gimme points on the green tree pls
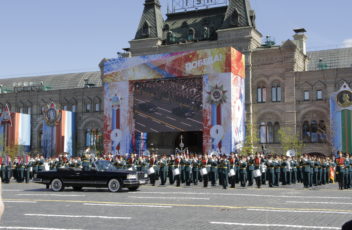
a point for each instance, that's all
(290, 140)
(251, 139)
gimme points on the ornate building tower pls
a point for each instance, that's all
(195, 28)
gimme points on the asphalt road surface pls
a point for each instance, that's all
(31, 206)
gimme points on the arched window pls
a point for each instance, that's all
(276, 92)
(322, 131)
(276, 132)
(146, 30)
(170, 37)
(97, 102)
(88, 138)
(94, 138)
(261, 94)
(306, 131)
(235, 18)
(314, 131)
(191, 34)
(270, 133)
(206, 33)
(262, 133)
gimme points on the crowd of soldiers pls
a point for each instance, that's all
(183, 168)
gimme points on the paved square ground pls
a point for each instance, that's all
(31, 206)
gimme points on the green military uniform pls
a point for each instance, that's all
(250, 169)
(171, 167)
(294, 171)
(213, 170)
(271, 172)
(243, 173)
(223, 172)
(188, 171)
(277, 171)
(306, 172)
(195, 170)
(20, 172)
(163, 168)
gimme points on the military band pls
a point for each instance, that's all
(192, 169)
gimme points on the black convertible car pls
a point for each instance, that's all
(101, 174)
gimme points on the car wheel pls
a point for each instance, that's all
(57, 185)
(114, 185)
(133, 188)
(77, 188)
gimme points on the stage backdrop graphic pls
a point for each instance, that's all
(59, 138)
(222, 71)
(341, 119)
(16, 132)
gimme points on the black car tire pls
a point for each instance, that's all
(133, 188)
(77, 188)
(57, 185)
(114, 185)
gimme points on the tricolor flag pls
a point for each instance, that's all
(60, 137)
(15, 131)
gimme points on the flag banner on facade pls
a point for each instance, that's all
(341, 119)
(17, 132)
(59, 137)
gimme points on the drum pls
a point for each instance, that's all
(232, 173)
(257, 173)
(263, 168)
(151, 171)
(130, 169)
(203, 172)
(176, 172)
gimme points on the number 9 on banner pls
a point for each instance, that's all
(116, 136)
(217, 133)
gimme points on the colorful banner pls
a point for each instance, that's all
(17, 132)
(223, 95)
(59, 138)
(341, 119)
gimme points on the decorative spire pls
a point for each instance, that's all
(239, 14)
(152, 22)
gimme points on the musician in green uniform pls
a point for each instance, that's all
(171, 167)
(205, 169)
(177, 168)
(270, 171)
(223, 171)
(232, 167)
(188, 170)
(340, 170)
(306, 170)
(163, 168)
(195, 169)
(20, 171)
(213, 169)
(243, 171)
(294, 165)
(277, 170)
(250, 169)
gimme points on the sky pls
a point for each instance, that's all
(39, 37)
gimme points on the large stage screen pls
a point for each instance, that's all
(168, 105)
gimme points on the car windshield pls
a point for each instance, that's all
(104, 166)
